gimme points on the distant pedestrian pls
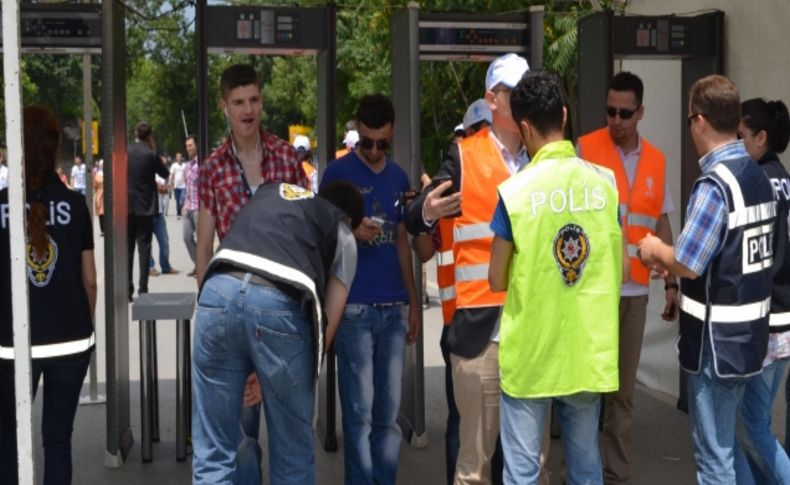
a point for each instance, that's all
(177, 182)
(78, 175)
(189, 210)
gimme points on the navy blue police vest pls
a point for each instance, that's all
(780, 297)
(729, 303)
(286, 235)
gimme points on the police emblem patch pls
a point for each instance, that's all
(571, 250)
(294, 192)
(40, 269)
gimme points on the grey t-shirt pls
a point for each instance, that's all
(344, 266)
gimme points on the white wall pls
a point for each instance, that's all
(756, 36)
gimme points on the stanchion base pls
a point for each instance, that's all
(86, 400)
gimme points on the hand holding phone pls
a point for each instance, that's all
(442, 200)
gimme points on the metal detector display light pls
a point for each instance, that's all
(60, 28)
(676, 37)
(249, 30)
(448, 39)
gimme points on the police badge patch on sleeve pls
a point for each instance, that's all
(295, 192)
(571, 249)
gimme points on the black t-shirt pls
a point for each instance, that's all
(59, 309)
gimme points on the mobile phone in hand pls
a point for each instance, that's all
(440, 179)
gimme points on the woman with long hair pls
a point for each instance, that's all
(765, 131)
(61, 279)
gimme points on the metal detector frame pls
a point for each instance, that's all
(697, 40)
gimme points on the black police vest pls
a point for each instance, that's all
(780, 297)
(729, 303)
(286, 235)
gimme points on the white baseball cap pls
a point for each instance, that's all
(458, 127)
(477, 112)
(507, 70)
(351, 139)
(302, 143)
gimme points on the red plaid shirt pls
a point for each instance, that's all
(220, 188)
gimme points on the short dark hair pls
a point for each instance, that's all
(375, 111)
(235, 76)
(716, 98)
(769, 116)
(190, 137)
(538, 99)
(143, 131)
(628, 81)
(345, 196)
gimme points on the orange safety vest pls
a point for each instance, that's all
(308, 169)
(341, 153)
(640, 206)
(482, 170)
(445, 270)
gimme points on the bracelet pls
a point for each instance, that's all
(671, 286)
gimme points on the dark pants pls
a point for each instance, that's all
(140, 230)
(101, 223)
(451, 440)
(160, 231)
(63, 378)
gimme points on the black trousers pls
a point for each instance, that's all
(140, 229)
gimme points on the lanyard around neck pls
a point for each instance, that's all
(244, 183)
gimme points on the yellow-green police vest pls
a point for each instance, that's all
(559, 329)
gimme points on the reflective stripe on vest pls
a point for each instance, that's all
(472, 231)
(446, 294)
(779, 319)
(482, 170)
(632, 249)
(444, 258)
(741, 214)
(726, 313)
(641, 203)
(53, 350)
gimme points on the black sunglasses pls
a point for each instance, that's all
(625, 114)
(367, 143)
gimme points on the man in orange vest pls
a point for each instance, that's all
(485, 159)
(305, 151)
(645, 200)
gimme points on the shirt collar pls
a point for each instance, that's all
(734, 149)
(514, 163)
(636, 152)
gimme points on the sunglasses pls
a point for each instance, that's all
(367, 143)
(625, 114)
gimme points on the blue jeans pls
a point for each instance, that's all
(767, 461)
(713, 406)
(63, 378)
(241, 328)
(160, 232)
(370, 346)
(179, 196)
(521, 430)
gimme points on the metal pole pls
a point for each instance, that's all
(201, 74)
(16, 233)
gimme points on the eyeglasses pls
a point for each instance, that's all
(367, 143)
(691, 117)
(624, 113)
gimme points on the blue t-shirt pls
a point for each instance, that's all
(378, 278)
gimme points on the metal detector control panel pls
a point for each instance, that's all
(445, 37)
(60, 28)
(664, 36)
(266, 30)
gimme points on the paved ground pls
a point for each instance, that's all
(662, 446)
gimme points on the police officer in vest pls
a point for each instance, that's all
(558, 252)
(724, 257)
(765, 131)
(645, 199)
(270, 303)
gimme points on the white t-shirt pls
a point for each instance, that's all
(3, 177)
(78, 176)
(177, 169)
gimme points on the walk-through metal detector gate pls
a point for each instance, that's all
(442, 37)
(696, 40)
(98, 29)
(279, 31)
